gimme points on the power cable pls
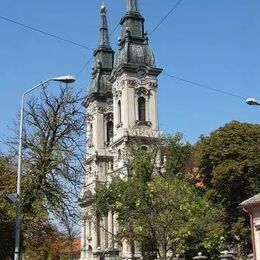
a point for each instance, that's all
(165, 17)
(204, 86)
(83, 68)
(115, 28)
(45, 33)
(155, 28)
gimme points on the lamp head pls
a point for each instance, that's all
(65, 79)
(252, 102)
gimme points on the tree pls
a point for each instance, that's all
(53, 151)
(163, 210)
(53, 165)
(229, 164)
(178, 155)
(7, 213)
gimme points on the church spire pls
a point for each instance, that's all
(104, 38)
(132, 6)
(103, 61)
(133, 47)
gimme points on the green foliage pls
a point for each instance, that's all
(7, 212)
(142, 166)
(229, 163)
(177, 153)
(166, 210)
(53, 155)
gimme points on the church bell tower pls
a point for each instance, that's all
(134, 85)
(100, 127)
(121, 107)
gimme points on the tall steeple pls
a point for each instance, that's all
(134, 50)
(104, 38)
(99, 86)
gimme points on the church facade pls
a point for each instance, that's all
(121, 105)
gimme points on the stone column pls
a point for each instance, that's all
(93, 233)
(115, 226)
(83, 239)
(110, 230)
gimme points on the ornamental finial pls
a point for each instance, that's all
(103, 7)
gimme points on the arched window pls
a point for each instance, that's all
(141, 109)
(119, 112)
(110, 131)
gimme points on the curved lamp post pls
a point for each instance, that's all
(16, 197)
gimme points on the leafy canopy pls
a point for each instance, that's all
(229, 164)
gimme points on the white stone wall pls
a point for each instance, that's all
(256, 229)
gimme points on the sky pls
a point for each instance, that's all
(211, 42)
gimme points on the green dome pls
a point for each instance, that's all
(135, 54)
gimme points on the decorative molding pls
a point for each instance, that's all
(101, 110)
(109, 116)
(122, 83)
(132, 83)
(118, 94)
(145, 123)
(89, 118)
(110, 101)
(153, 85)
(142, 91)
(90, 145)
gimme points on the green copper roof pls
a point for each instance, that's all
(133, 44)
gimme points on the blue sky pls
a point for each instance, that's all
(212, 42)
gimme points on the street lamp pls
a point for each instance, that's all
(252, 102)
(17, 199)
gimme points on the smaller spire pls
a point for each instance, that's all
(104, 38)
(132, 6)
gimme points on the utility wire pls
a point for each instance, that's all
(155, 28)
(165, 17)
(115, 28)
(84, 67)
(45, 33)
(204, 86)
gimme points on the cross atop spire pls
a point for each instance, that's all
(132, 6)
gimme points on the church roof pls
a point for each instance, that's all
(251, 202)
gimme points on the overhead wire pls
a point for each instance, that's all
(45, 33)
(165, 17)
(153, 30)
(115, 28)
(203, 86)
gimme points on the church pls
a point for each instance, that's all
(121, 105)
